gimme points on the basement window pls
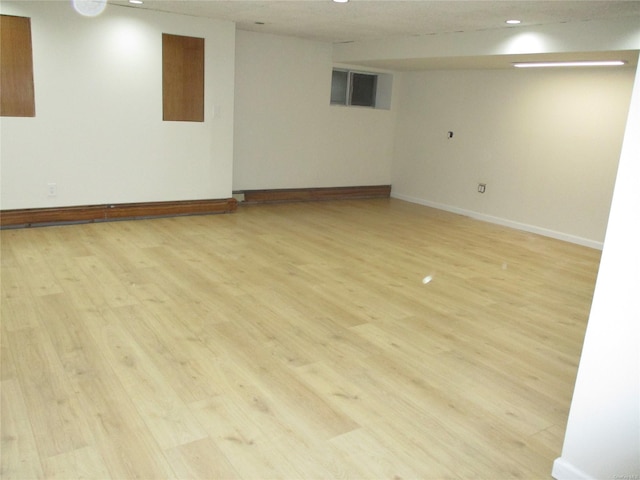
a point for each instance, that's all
(362, 89)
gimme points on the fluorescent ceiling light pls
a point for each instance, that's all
(340, 1)
(598, 63)
(513, 22)
(136, 2)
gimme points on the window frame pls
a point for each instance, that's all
(349, 90)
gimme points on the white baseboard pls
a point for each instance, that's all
(504, 222)
(563, 470)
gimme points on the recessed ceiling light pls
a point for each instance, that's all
(591, 63)
(136, 2)
(340, 1)
(513, 22)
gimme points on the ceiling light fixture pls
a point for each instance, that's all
(598, 63)
(136, 2)
(340, 1)
(89, 8)
(513, 22)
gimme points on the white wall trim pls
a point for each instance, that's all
(563, 470)
(503, 221)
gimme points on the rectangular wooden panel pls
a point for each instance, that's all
(164, 209)
(182, 78)
(16, 68)
(315, 194)
(97, 213)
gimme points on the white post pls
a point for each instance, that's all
(602, 440)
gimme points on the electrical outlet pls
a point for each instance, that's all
(52, 189)
(482, 187)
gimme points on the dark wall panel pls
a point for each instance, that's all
(16, 68)
(182, 78)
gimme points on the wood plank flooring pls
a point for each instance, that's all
(293, 341)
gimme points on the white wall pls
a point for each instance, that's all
(602, 440)
(286, 133)
(546, 143)
(98, 131)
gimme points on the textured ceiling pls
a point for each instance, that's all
(357, 20)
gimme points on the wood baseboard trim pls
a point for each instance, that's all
(315, 194)
(103, 213)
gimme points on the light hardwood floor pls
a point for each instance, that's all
(289, 341)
